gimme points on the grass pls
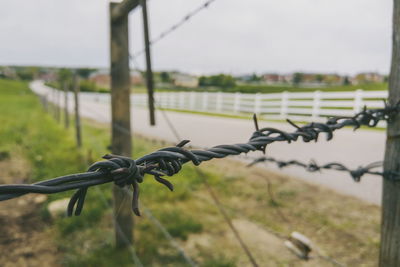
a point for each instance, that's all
(343, 227)
(251, 89)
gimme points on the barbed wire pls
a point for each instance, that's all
(218, 205)
(175, 26)
(135, 258)
(312, 166)
(169, 237)
(147, 212)
(168, 161)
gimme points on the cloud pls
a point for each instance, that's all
(233, 36)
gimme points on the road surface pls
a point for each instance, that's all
(348, 147)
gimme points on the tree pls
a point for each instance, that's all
(165, 77)
(255, 78)
(297, 78)
(64, 75)
(346, 80)
(26, 73)
(220, 80)
(85, 72)
(319, 78)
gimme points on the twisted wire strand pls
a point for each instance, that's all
(168, 161)
(175, 26)
(312, 166)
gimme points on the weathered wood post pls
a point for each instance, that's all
(66, 115)
(390, 229)
(58, 104)
(149, 71)
(77, 114)
(120, 111)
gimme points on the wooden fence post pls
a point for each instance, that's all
(149, 71)
(390, 225)
(121, 142)
(58, 103)
(66, 118)
(77, 115)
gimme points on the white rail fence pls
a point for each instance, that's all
(302, 106)
(297, 106)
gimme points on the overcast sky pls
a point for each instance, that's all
(230, 36)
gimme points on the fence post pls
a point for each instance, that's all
(358, 100)
(236, 105)
(66, 105)
(181, 100)
(390, 223)
(77, 115)
(284, 104)
(58, 103)
(316, 105)
(205, 101)
(161, 99)
(257, 103)
(121, 141)
(192, 100)
(149, 71)
(218, 104)
(46, 103)
(170, 98)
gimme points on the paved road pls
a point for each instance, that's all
(348, 147)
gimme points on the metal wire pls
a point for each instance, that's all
(151, 217)
(213, 195)
(167, 235)
(175, 26)
(312, 166)
(168, 161)
(228, 220)
(131, 248)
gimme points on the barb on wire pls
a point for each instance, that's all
(171, 29)
(168, 161)
(312, 166)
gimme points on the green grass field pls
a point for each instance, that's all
(260, 202)
(251, 89)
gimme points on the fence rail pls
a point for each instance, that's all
(297, 106)
(304, 106)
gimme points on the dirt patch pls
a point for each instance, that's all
(25, 238)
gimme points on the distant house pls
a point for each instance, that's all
(185, 80)
(49, 76)
(9, 72)
(368, 77)
(136, 78)
(273, 78)
(333, 79)
(103, 79)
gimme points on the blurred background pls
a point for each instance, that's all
(71, 70)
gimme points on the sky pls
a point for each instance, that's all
(230, 36)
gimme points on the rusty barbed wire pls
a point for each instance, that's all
(168, 161)
(312, 166)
